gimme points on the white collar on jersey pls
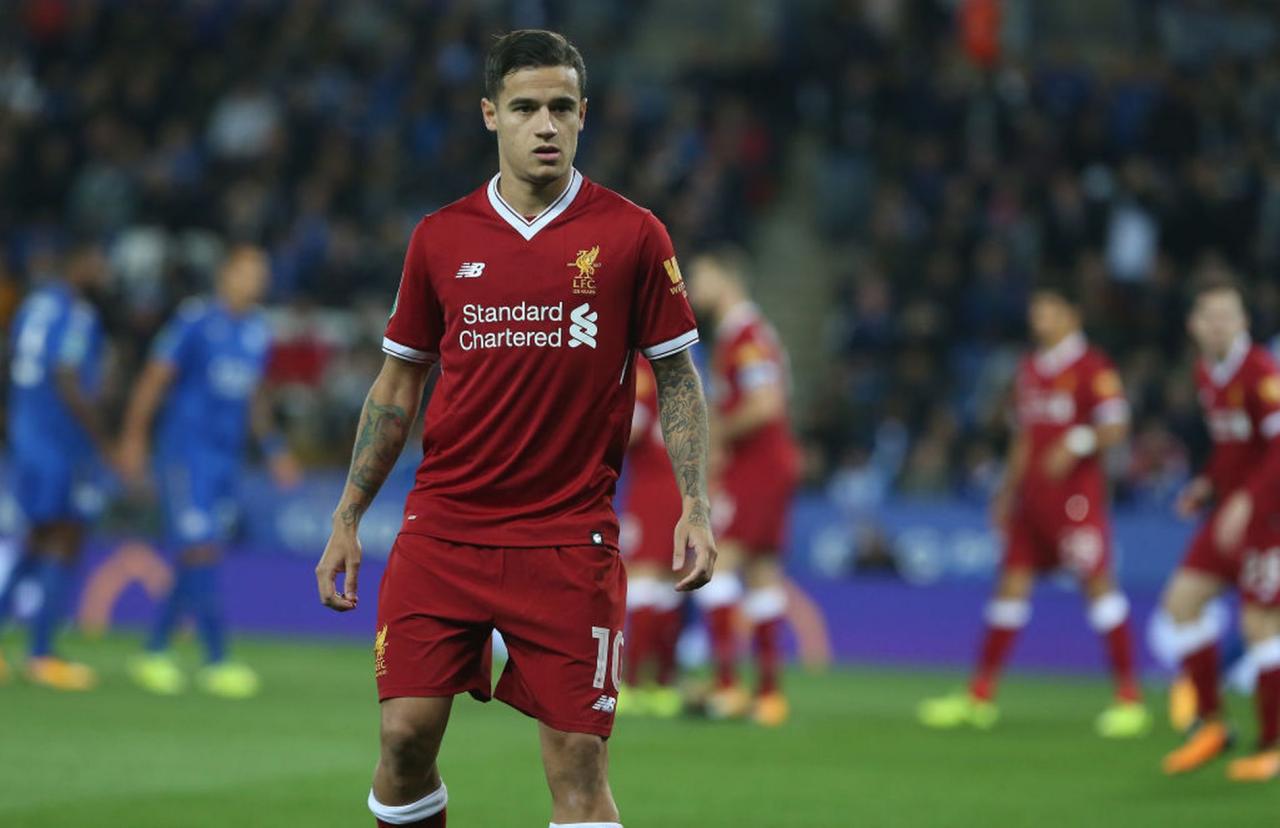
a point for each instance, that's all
(738, 317)
(1057, 359)
(1222, 372)
(526, 227)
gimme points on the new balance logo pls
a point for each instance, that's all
(605, 704)
(583, 329)
(471, 270)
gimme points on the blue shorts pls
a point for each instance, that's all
(198, 497)
(55, 486)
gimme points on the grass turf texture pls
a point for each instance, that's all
(301, 755)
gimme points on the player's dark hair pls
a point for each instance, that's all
(730, 258)
(1064, 286)
(1215, 280)
(530, 49)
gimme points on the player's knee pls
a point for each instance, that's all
(1015, 584)
(1182, 604)
(409, 743)
(578, 772)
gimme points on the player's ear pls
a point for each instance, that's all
(582, 113)
(490, 112)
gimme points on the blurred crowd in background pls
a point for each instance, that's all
(951, 163)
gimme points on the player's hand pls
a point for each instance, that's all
(1194, 497)
(285, 469)
(341, 555)
(1232, 522)
(1059, 462)
(694, 532)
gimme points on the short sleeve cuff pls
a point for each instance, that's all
(672, 346)
(1112, 412)
(395, 349)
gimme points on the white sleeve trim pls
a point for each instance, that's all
(671, 346)
(1270, 425)
(406, 353)
(1112, 412)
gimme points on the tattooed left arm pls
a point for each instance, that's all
(683, 414)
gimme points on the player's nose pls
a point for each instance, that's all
(546, 125)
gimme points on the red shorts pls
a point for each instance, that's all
(1203, 555)
(560, 611)
(1075, 536)
(1260, 563)
(752, 506)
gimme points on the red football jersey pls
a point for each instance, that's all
(749, 354)
(536, 323)
(1068, 385)
(1241, 401)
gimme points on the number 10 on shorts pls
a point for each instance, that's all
(601, 635)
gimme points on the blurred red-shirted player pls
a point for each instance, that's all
(1239, 386)
(649, 515)
(757, 470)
(1070, 408)
(535, 295)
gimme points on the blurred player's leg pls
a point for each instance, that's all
(653, 612)
(1006, 615)
(1109, 617)
(57, 547)
(1188, 594)
(765, 606)
(577, 768)
(1260, 620)
(718, 601)
(407, 789)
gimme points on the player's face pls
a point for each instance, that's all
(537, 116)
(244, 279)
(1051, 319)
(1217, 320)
(706, 283)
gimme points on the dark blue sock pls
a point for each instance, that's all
(170, 611)
(19, 573)
(55, 584)
(206, 600)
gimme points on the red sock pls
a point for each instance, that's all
(1202, 667)
(642, 642)
(433, 821)
(1267, 698)
(668, 635)
(721, 622)
(765, 637)
(995, 650)
(1119, 641)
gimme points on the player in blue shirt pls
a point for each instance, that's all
(201, 388)
(56, 443)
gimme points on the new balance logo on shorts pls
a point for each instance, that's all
(470, 270)
(583, 329)
(605, 704)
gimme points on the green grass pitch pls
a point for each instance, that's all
(301, 755)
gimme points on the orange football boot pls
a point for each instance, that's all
(729, 703)
(771, 710)
(1260, 767)
(1205, 743)
(58, 674)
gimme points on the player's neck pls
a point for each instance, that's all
(530, 198)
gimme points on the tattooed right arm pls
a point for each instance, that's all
(385, 421)
(388, 414)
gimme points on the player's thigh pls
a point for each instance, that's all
(1084, 549)
(1189, 591)
(561, 615)
(1204, 557)
(412, 728)
(762, 571)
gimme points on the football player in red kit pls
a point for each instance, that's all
(534, 294)
(1052, 509)
(1239, 386)
(757, 471)
(651, 511)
